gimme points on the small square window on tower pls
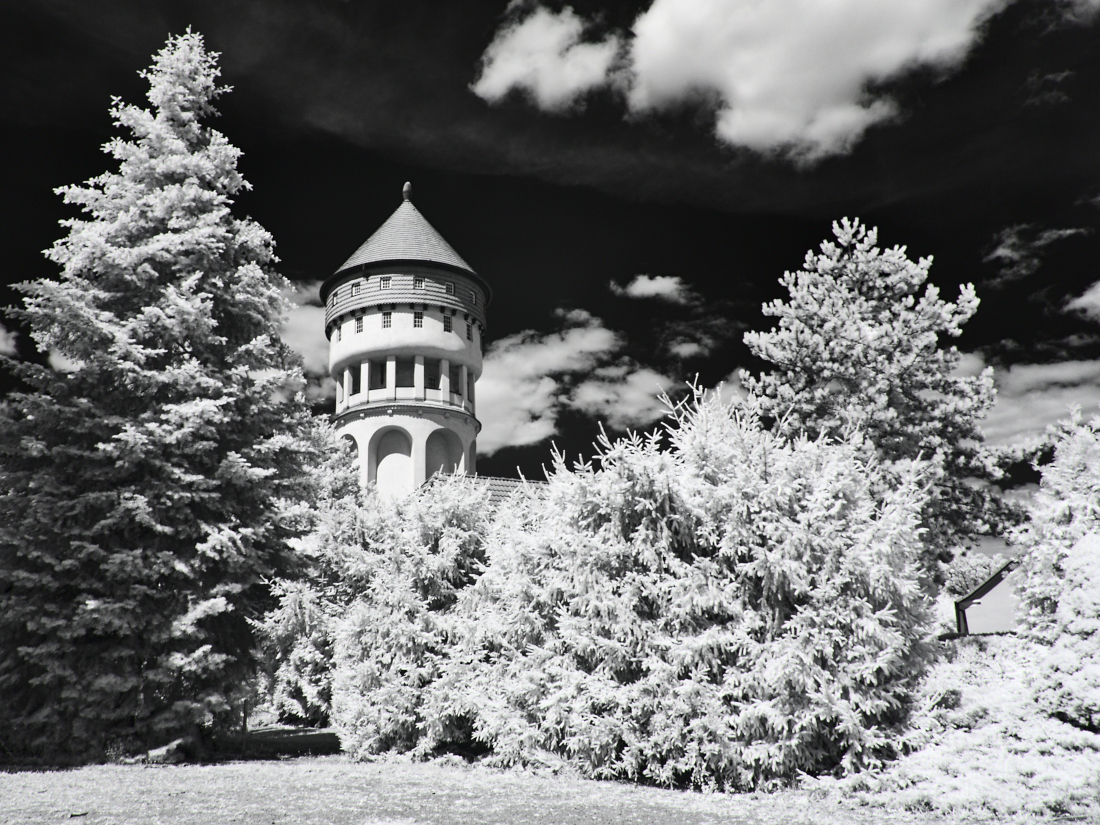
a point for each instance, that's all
(384, 282)
(450, 288)
(469, 331)
(418, 282)
(387, 319)
(447, 323)
(473, 297)
(355, 288)
(359, 324)
(418, 319)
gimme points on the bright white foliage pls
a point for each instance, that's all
(1066, 509)
(1068, 685)
(394, 584)
(149, 491)
(724, 613)
(859, 344)
(980, 749)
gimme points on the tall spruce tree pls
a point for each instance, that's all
(148, 491)
(857, 343)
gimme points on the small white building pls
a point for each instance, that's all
(405, 318)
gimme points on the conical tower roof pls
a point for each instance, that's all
(406, 236)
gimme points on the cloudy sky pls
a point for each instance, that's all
(631, 177)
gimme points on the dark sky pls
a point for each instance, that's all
(987, 159)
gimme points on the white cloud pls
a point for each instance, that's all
(970, 364)
(687, 349)
(62, 363)
(1024, 378)
(785, 75)
(543, 55)
(669, 288)
(7, 342)
(1030, 397)
(526, 380)
(1019, 250)
(790, 74)
(303, 330)
(1089, 303)
(530, 378)
(623, 395)
(730, 388)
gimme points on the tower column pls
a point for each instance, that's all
(445, 380)
(418, 378)
(419, 458)
(391, 377)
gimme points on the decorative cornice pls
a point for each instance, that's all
(413, 409)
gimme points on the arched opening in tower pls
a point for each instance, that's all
(393, 461)
(349, 443)
(443, 453)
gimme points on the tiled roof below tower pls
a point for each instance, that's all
(501, 489)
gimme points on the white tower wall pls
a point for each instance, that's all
(405, 318)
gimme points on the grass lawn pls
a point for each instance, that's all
(987, 755)
(334, 791)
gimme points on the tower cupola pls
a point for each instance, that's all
(405, 318)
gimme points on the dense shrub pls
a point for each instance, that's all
(298, 642)
(397, 582)
(1068, 683)
(1067, 508)
(968, 570)
(979, 748)
(297, 637)
(726, 612)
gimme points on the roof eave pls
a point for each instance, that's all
(368, 268)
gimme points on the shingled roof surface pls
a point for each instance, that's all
(501, 489)
(406, 236)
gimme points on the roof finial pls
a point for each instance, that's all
(407, 191)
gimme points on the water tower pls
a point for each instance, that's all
(405, 317)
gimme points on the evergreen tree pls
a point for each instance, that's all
(297, 636)
(1066, 510)
(857, 344)
(149, 492)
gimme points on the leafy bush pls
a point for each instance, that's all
(397, 582)
(968, 570)
(297, 637)
(1068, 684)
(725, 613)
(980, 747)
(1067, 508)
